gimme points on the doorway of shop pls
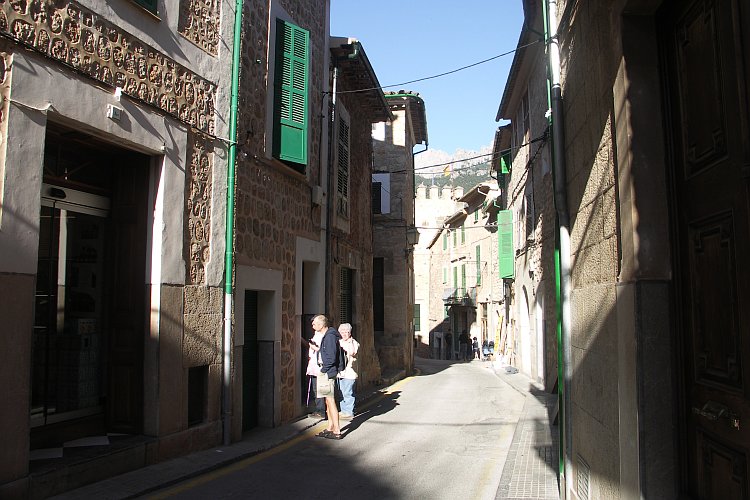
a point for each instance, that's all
(90, 301)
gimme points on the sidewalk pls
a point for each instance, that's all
(531, 467)
(148, 479)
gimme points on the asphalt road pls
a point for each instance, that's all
(443, 433)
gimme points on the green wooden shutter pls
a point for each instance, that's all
(445, 241)
(417, 318)
(479, 265)
(463, 234)
(290, 94)
(505, 163)
(505, 243)
(463, 278)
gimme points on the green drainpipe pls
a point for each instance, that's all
(562, 244)
(229, 239)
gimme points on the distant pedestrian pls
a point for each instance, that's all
(348, 378)
(448, 346)
(463, 346)
(475, 349)
(328, 360)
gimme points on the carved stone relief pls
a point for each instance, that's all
(198, 207)
(77, 37)
(199, 22)
(5, 66)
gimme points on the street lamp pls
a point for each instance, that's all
(412, 236)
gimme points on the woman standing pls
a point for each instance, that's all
(348, 378)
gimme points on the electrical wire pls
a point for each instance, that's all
(441, 74)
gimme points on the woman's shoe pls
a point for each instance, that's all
(324, 433)
(331, 435)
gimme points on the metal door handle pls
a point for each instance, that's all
(714, 411)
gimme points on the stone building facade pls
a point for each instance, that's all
(655, 164)
(432, 206)
(112, 181)
(303, 240)
(462, 257)
(394, 231)
(528, 339)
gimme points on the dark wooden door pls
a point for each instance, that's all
(128, 297)
(706, 70)
(250, 362)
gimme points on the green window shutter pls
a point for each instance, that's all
(455, 238)
(455, 277)
(463, 234)
(445, 241)
(445, 275)
(290, 94)
(505, 243)
(149, 5)
(417, 319)
(476, 215)
(505, 163)
(479, 265)
(463, 278)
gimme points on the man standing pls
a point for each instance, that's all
(329, 361)
(463, 346)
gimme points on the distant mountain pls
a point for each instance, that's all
(462, 168)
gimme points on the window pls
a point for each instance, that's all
(445, 240)
(479, 266)
(455, 238)
(463, 278)
(384, 192)
(476, 215)
(290, 95)
(377, 187)
(149, 5)
(445, 275)
(417, 321)
(463, 234)
(505, 243)
(529, 209)
(197, 394)
(342, 163)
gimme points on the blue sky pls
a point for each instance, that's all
(411, 39)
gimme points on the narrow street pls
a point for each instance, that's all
(444, 433)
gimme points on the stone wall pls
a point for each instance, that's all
(589, 48)
(273, 202)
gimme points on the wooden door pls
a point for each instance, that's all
(128, 298)
(706, 53)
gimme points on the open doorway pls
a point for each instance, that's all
(90, 301)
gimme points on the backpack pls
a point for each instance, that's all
(342, 359)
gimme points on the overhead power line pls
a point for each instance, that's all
(440, 74)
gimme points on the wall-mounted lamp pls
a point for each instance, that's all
(412, 236)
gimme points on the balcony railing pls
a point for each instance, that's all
(460, 296)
